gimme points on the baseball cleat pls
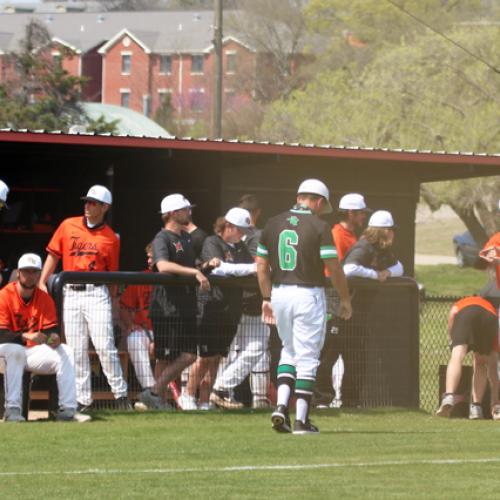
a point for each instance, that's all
(300, 427)
(281, 420)
(152, 401)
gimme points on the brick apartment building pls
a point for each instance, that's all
(138, 59)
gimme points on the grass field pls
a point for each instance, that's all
(359, 454)
(435, 236)
(448, 279)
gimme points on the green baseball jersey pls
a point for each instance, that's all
(296, 242)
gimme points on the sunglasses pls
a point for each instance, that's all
(93, 203)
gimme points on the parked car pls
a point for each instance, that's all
(466, 249)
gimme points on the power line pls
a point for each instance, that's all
(441, 34)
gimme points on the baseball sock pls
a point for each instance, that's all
(304, 391)
(286, 383)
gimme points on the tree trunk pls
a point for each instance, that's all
(472, 224)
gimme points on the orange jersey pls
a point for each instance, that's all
(343, 239)
(494, 241)
(84, 249)
(137, 298)
(37, 315)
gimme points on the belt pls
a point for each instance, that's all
(82, 287)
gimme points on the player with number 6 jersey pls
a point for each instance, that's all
(295, 247)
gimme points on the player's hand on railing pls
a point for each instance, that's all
(203, 280)
(267, 313)
(383, 275)
(345, 309)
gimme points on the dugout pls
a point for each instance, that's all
(48, 172)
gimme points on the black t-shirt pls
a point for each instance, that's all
(227, 298)
(173, 300)
(368, 255)
(198, 236)
(296, 242)
(252, 239)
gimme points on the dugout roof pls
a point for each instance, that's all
(48, 172)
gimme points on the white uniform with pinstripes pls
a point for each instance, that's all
(88, 314)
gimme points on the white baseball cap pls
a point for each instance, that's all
(4, 191)
(381, 218)
(352, 201)
(315, 186)
(30, 261)
(99, 193)
(174, 202)
(498, 203)
(240, 217)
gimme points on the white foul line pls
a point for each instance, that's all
(251, 468)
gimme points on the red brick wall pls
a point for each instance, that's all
(137, 82)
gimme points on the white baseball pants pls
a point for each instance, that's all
(250, 348)
(138, 343)
(12, 365)
(44, 360)
(88, 313)
(301, 321)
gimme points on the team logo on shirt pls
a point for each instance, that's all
(294, 221)
(228, 256)
(82, 248)
(178, 247)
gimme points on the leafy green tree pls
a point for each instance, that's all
(427, 95)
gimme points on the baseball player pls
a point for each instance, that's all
(134, 312)
(88, 244)
(221, 311)
(473, 326)
(12, 356)
(173, 308)
(28, 315)
(372, 257)
(249, 349)
(353, 213)
(293, 250)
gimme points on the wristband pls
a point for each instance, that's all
(266, 299)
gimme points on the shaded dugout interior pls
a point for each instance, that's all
(48, 173)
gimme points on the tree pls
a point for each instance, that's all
(429, 94)
(39, 93)
(129, 5)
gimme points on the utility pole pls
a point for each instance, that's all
(217, 101)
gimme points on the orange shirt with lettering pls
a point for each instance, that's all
(85, 249)
(137, 298)
(37, 315)
(494, 241)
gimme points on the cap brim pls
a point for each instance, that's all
(89, 198)
(175, 210)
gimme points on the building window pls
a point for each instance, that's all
(125, 98)
(165, 65)
(197, 64)
(196, 99)
(229, 98)
(126, 63)
(230, 62)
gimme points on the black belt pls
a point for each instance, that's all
(82, 287)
